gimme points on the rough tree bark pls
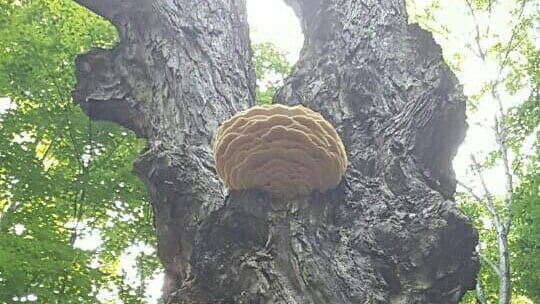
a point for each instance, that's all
(390, 233)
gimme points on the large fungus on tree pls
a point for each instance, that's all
(285, 151)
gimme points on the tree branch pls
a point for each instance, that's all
(491, 264)
(504, 58)
(489, 197)
(487, 204)
(500, 136)
(481, 51)
(480, 297)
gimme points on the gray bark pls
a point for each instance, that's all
(390, 232)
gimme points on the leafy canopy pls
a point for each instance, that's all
(70, 205)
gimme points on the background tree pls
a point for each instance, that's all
(501, 40)
(390, 232)
(271, 67)
(65, 181)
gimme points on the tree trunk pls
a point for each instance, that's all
(505, 289)
(390, 232)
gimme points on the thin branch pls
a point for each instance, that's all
(140, 266)
(481, 51)
(490, 202)
(509, 184)
(478, 170)
(504, 59)
(491, 264)
(480, 297)
(500, 130)
(490, 207)
(490, 11)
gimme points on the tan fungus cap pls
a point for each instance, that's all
(286, 151)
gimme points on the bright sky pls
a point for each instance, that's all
(4, 104)
(272, 20)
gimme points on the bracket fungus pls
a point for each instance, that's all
(285, 151)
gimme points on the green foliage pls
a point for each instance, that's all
(526, 244)
(487, 235)
(522, 120)
(62, 177)
(513, 54)
(271, 67)
(524, 125)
